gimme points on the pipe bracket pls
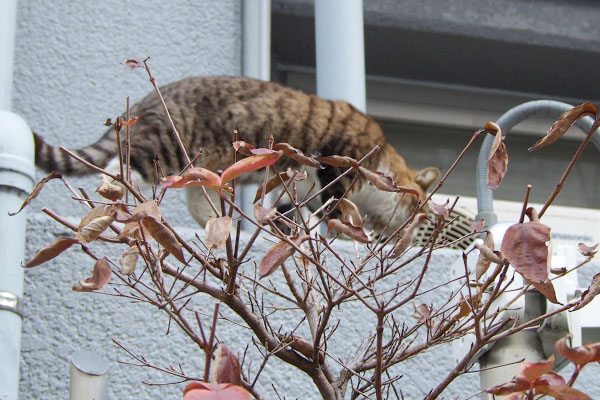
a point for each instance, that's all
(10, 302)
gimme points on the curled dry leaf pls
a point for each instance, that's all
(226, 368)
(588, 251)
(478, 226)
(129, 122)
(385, 183)
(49, 252)
(296, 175)
(422, 313)
(133, 63)
(249, 164)
(208, 391)
(590, 293)
(465, 306)
(338, 161)
(350, 213)
(498, 159)
(99, 278)
(164, 236)
(217, 231)
(271, 184)
(487, 255)
(440, 211)
(297, 155)
(94, 228)
(264, 215)
(302, 346)
(36, 190)
(407, 235)
(132, 224)
(561, 392)
(563, 123)
(278, 254)
(515, 386)
(129, 260)
(109, 190)
(354, 232)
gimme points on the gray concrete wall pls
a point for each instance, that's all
(67, 80)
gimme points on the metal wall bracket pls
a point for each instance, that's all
(10, 302)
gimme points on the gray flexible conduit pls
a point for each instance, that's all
(485, 197)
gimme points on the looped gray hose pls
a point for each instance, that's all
(485, 197)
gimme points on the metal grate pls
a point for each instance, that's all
(454, 233)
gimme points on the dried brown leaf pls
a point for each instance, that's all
(478, 226)
(164, 236)
(441, 211)
(99, 278)
(297, 155)
(302, 346)
(217, 231)
(407, 236)
(129, 260)
(465, 306)
(94, 228)
(226, 368)
(561, 392)
(563, 123)
(525, 245)
(109, 190)
(36, 190)
(590, 293)
(498, 159)
(264, 215)
(531, 371)
(578, 355)
(133, 63)
(339, 161)
(385, 183)
(350, 213)
(588, 251)
(487, 255)
(353, 232)
(271, 184)
(278, 254)
(148, 208)
(49, 252)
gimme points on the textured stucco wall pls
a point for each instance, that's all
(67, 81)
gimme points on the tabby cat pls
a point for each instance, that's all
(206, 110)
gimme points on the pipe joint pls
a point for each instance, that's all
(11, 302)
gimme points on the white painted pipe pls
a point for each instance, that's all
(89, 376)
(17, 174)
(340, 48)
(256, 63)
(8, 17)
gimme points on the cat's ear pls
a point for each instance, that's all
(427, 176)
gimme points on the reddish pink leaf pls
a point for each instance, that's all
(278, 254)
(579, 355)
(217, 231)
(207, 391)
(47, 253)
(525, 245)
(36, 191)
(99, 278)
(192, 177)
(248, 150)
(353, 232)
(550, 378)
(250, 164)
(129, 122)
(563, 123)
(532, 371)
(226, 368)
(561, 392)
(516, 385)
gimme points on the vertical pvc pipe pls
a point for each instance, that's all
(89, 376)
(16, 181)
(256, 63)
(8, 17)
(340, 48)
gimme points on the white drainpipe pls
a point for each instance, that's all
(256, 63)
(340, 46)
(17, 174)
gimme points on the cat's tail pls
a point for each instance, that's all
(51, 158)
